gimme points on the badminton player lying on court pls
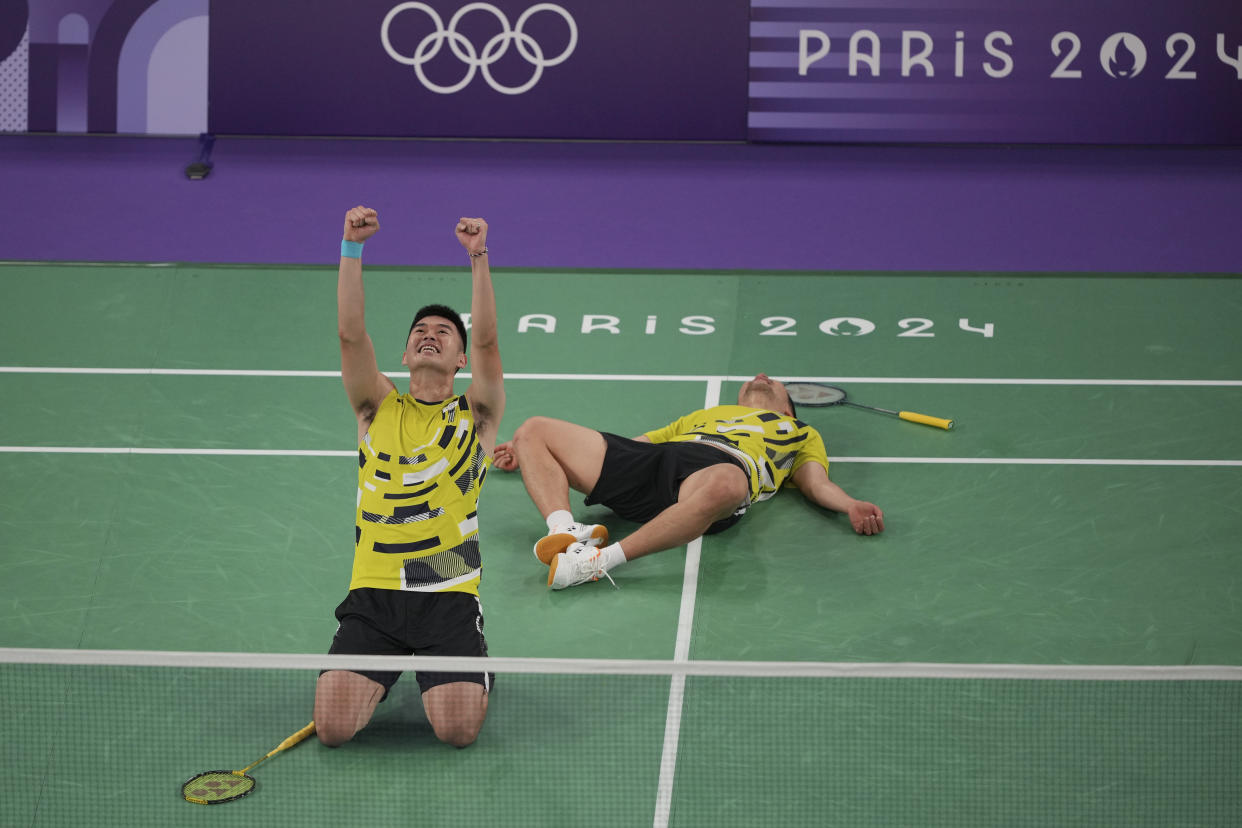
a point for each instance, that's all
(696, 476)
(422, 457)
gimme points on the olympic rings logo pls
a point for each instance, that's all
(493, 50)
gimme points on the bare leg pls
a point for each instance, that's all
(344, 703)
(456, 711)
(705, 497)
(556, 455)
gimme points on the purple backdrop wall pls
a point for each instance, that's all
(840, 71)
(641, 69)
(1108, 71)
(635, 205)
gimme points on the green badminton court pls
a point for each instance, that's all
(177, 473)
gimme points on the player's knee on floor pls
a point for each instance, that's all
(456, 711)
(457, 733)
(333, 732)
(344, 702)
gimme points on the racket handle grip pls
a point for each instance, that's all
(910, 416)
(295, 738)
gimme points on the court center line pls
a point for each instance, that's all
(963, 461)
(681, 654)
(231, 372)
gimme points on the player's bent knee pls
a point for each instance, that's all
(722, 487)
(735, 490)
(456, 729)
(457, 734)
(333, 733)
(456, 712)
(334, 727)
(343, 705)
(534, 429)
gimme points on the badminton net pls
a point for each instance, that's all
(107, 738)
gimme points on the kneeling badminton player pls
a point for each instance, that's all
(422, 459)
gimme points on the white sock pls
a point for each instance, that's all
(559, 520)
(613, 556)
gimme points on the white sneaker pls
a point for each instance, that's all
(553, 544)
(577, 565)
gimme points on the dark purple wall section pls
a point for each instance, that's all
(44, 78)
(984, 71)
(1172, 88)
(650, 205)
(641, 69)
(729, 69)
(105, 56)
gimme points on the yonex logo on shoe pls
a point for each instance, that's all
(465, 51)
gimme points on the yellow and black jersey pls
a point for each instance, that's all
(420, 469)
(773, 446)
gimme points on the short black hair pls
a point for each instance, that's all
(438, 310)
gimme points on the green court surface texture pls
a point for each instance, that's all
(178, 471)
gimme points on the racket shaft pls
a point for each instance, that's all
(871, 408)
(295, 738)
(285, 745)
(938, 422)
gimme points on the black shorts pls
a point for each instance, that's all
(639, 480)
(396, 622)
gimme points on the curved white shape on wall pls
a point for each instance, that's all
(177, 80)
(171, 85)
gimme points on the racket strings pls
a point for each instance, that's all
(217, 786)
(821, 394)
(212, 787)
(814, 393)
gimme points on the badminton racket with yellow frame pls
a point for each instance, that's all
(821, 394)
(219, 786)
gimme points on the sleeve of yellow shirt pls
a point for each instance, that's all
(812, 451)
(663, 435)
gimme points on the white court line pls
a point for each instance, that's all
(1036, 461)
(168, 372)
(231, 372)
(29, 263)
(681, 655)
(182, 451)
(963, 461)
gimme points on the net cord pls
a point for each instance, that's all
(583, 666)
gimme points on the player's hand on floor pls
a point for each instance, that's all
(504, 458)
(866, 518)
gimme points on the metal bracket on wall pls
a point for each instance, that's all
(201, 168)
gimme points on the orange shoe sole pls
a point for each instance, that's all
(549, 547)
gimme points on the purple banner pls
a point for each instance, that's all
(1038, 71)
(992, 71)
(640, 69)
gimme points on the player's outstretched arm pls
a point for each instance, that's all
(812, 480)
(365, 385)
(487, 387)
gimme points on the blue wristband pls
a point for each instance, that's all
(351, 250)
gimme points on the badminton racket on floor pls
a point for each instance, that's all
(215, 787)
(819, 394)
